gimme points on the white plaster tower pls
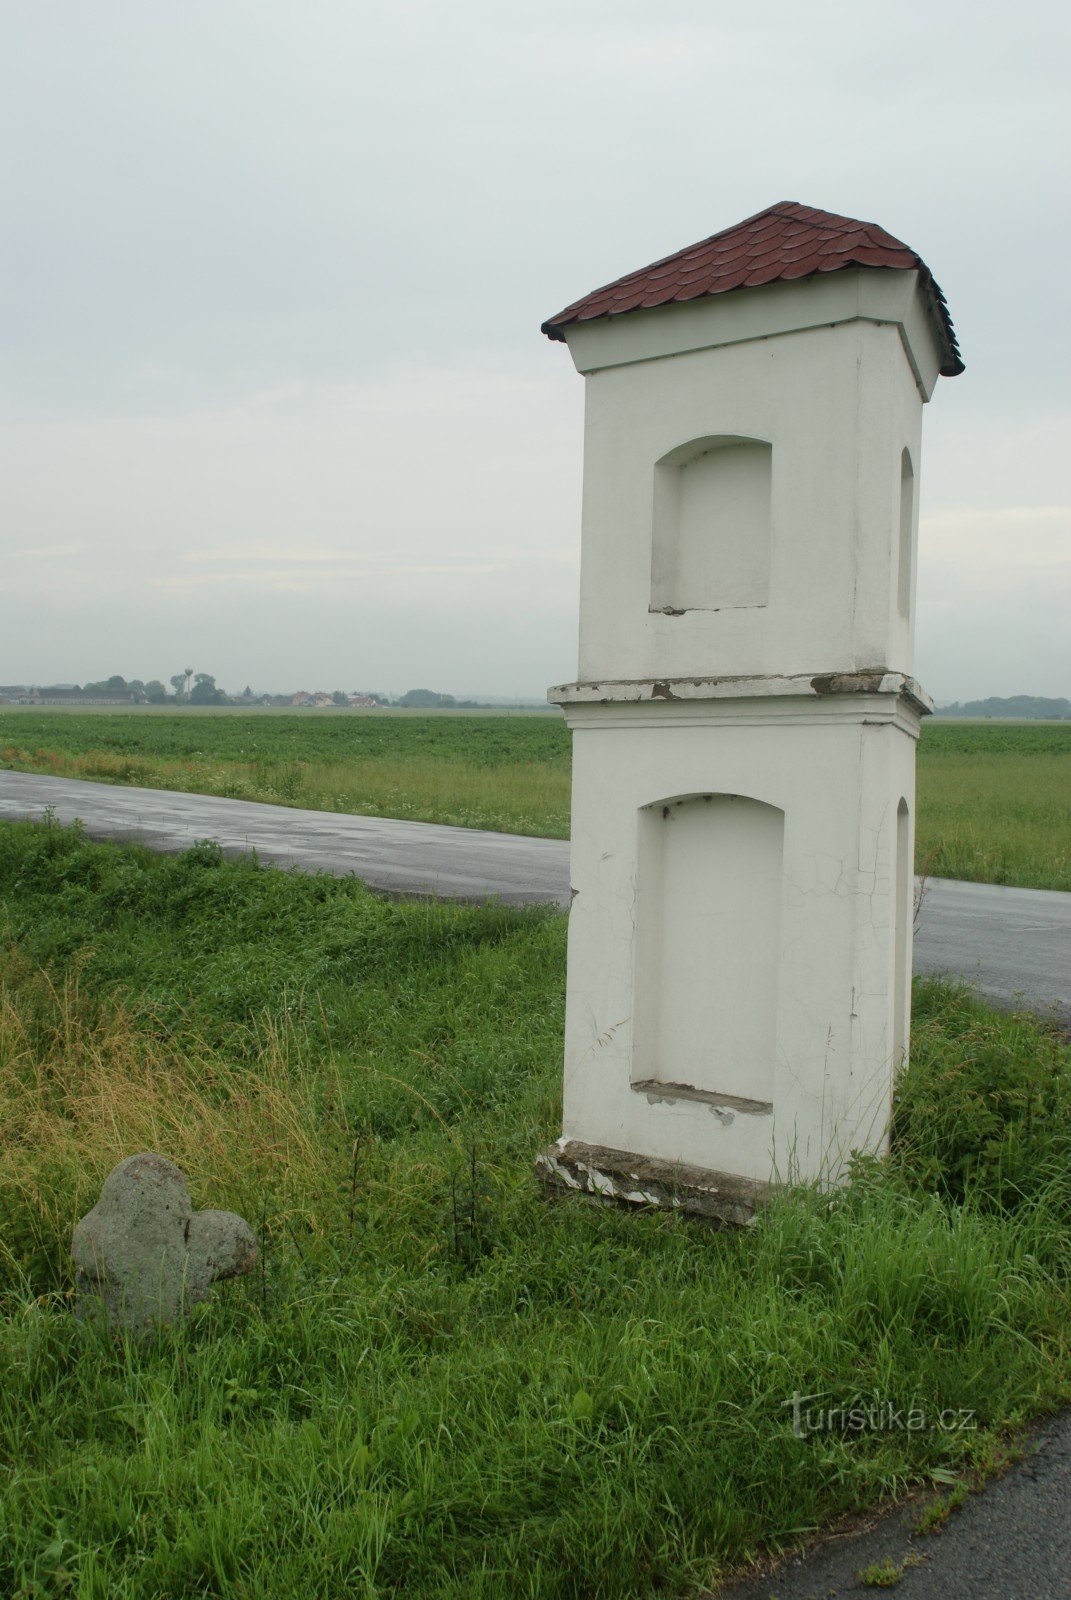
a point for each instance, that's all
(745, 714)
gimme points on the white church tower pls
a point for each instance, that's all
(745, 715)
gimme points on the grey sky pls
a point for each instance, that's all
(274, 395)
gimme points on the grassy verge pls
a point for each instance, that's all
(441, 1384)
(994, 799)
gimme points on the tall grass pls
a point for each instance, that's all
(441, 1384)
(81, 1087)
(529, 799)
(984, 1114)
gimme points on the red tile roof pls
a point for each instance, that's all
(782, 243)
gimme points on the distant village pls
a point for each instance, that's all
(189, 688)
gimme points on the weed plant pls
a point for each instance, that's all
(440, 1383)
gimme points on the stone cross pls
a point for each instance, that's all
(143, 1256)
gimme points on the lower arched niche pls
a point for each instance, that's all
(708, 934)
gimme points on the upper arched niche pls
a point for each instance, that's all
(710, 546)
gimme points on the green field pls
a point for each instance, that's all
(442, 1385)
(994, 799)
(994, 802)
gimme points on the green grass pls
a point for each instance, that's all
(994, 799)
(442, 1384)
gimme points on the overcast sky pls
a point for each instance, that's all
(275, 400)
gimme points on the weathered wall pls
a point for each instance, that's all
(789, 995)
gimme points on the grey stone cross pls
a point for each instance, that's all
(143, 1255)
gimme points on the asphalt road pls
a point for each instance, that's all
(1013, 944)
(402, 858)
(1012, 1542)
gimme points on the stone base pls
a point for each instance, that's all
(570, 1167)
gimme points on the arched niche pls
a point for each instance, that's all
(708, 946)
(907, 534)
(711, 535)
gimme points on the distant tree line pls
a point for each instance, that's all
(429, 700)
(190, 688)
(1015, 707)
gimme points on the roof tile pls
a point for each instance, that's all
(692, 291)
(769, 273)
(802, 267)
(784, 243)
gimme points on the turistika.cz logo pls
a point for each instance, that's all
(872, 1414)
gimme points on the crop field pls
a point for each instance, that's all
(994, 802)
(994, 799)
(442, 1384)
